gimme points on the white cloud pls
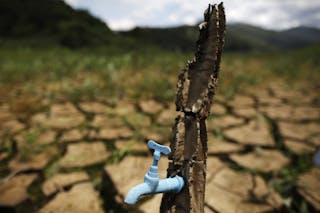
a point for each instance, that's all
(173, 17)
(73, 2)
(121, 24)
(274, 14)
(189, 20)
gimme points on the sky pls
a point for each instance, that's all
(268, 14)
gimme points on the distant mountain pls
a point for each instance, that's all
(51, 20)
(239, 37)
(54, 22)
(301, 35)
(176, 38)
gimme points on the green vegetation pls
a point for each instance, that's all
(90, 71)
(141, 74)
(50, 21)
(286, 181)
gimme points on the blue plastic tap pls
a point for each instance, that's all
(152, 183)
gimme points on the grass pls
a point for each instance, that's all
(286, 182)
(140, 74)
(90, 73)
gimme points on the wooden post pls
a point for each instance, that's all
(196, 87)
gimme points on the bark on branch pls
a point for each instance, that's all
(196, 87)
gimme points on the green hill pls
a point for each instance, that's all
(50, 21)
(239, 37)
(53, 22)
(178, 38)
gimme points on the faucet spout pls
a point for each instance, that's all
(172, 184)
(136, 192)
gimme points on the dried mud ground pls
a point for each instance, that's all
(84, 157)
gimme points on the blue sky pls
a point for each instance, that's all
(270, 14)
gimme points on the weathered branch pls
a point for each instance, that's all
(196, 87)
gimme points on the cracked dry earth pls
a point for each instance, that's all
(84, 157)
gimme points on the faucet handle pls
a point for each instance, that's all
(165, 150)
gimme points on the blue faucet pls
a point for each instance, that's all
(152, 183)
